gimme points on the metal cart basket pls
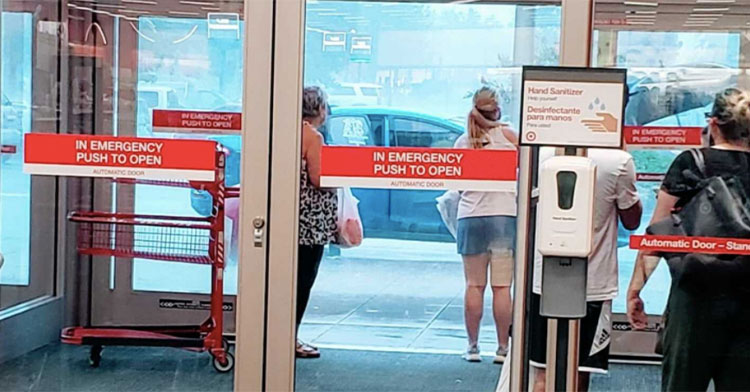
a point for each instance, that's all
(197, 240)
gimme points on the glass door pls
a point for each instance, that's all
(174, 57)
(400, 76)
(26, 273)
(677, 61)
(90, 69)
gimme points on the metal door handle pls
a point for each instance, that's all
(258, 224)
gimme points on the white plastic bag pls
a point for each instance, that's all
(447, 205)
(349, 222)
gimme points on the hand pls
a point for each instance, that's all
(607, 123)
(636, 312)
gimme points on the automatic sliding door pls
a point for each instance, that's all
(402, 75)
(28, 270)
(185, 60)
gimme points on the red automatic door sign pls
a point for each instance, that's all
(121, 157)
(649, 177)
(186, 121)
(419, 168)
(663, 137)
(679, 244)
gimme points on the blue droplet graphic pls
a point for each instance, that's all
(597, 101)
(591, 106)
(603, 107)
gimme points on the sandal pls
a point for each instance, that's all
(305, 350)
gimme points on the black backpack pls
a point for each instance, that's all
(718, 208)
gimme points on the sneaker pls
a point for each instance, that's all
(501, 354)
(472, 354)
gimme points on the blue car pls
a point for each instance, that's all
(385, 213)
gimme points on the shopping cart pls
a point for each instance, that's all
(197, 240)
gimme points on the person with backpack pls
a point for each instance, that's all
(707, 321)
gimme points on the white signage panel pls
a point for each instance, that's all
(569, 113)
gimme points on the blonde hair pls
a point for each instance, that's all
(478, 126)
(732, 113)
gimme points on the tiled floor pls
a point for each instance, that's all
(386, 318)
(64, 368)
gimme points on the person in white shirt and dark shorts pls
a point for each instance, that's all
(615, 197)
(486, 229)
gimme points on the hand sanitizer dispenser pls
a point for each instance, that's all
(566, 230)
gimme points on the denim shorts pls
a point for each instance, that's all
(482, 234)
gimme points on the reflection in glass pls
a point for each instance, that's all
(186, 64)
(15, 186)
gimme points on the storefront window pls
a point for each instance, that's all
(15, 186)
(672, 78)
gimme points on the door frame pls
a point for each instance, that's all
(285, 164)
(250, 310)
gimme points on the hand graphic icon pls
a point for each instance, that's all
(606, 123)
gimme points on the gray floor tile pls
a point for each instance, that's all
(342, 370)
(65, 368)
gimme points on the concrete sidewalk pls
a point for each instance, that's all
(382, 304)
(397, 295)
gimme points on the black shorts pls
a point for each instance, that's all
(596, 330)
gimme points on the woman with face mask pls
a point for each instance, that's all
(486, 229)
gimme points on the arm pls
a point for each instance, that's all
(645, 264)
(631, 217)
(313, 146)
(629, 207)
(511, 135)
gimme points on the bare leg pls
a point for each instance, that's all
(475, 271)
(502, 311)
(540, 379)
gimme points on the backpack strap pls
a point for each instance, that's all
(700, 161)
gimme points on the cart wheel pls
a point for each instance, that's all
(95, 356)
(225, 344)
(227, 366)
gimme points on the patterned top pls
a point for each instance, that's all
(317, 212)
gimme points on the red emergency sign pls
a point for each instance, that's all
(121, 157)
(419, 168)
(663, 137)
(679, 244)
(188, 121)
(649, 177)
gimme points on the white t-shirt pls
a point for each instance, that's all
(475, 203)
(615, 188)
